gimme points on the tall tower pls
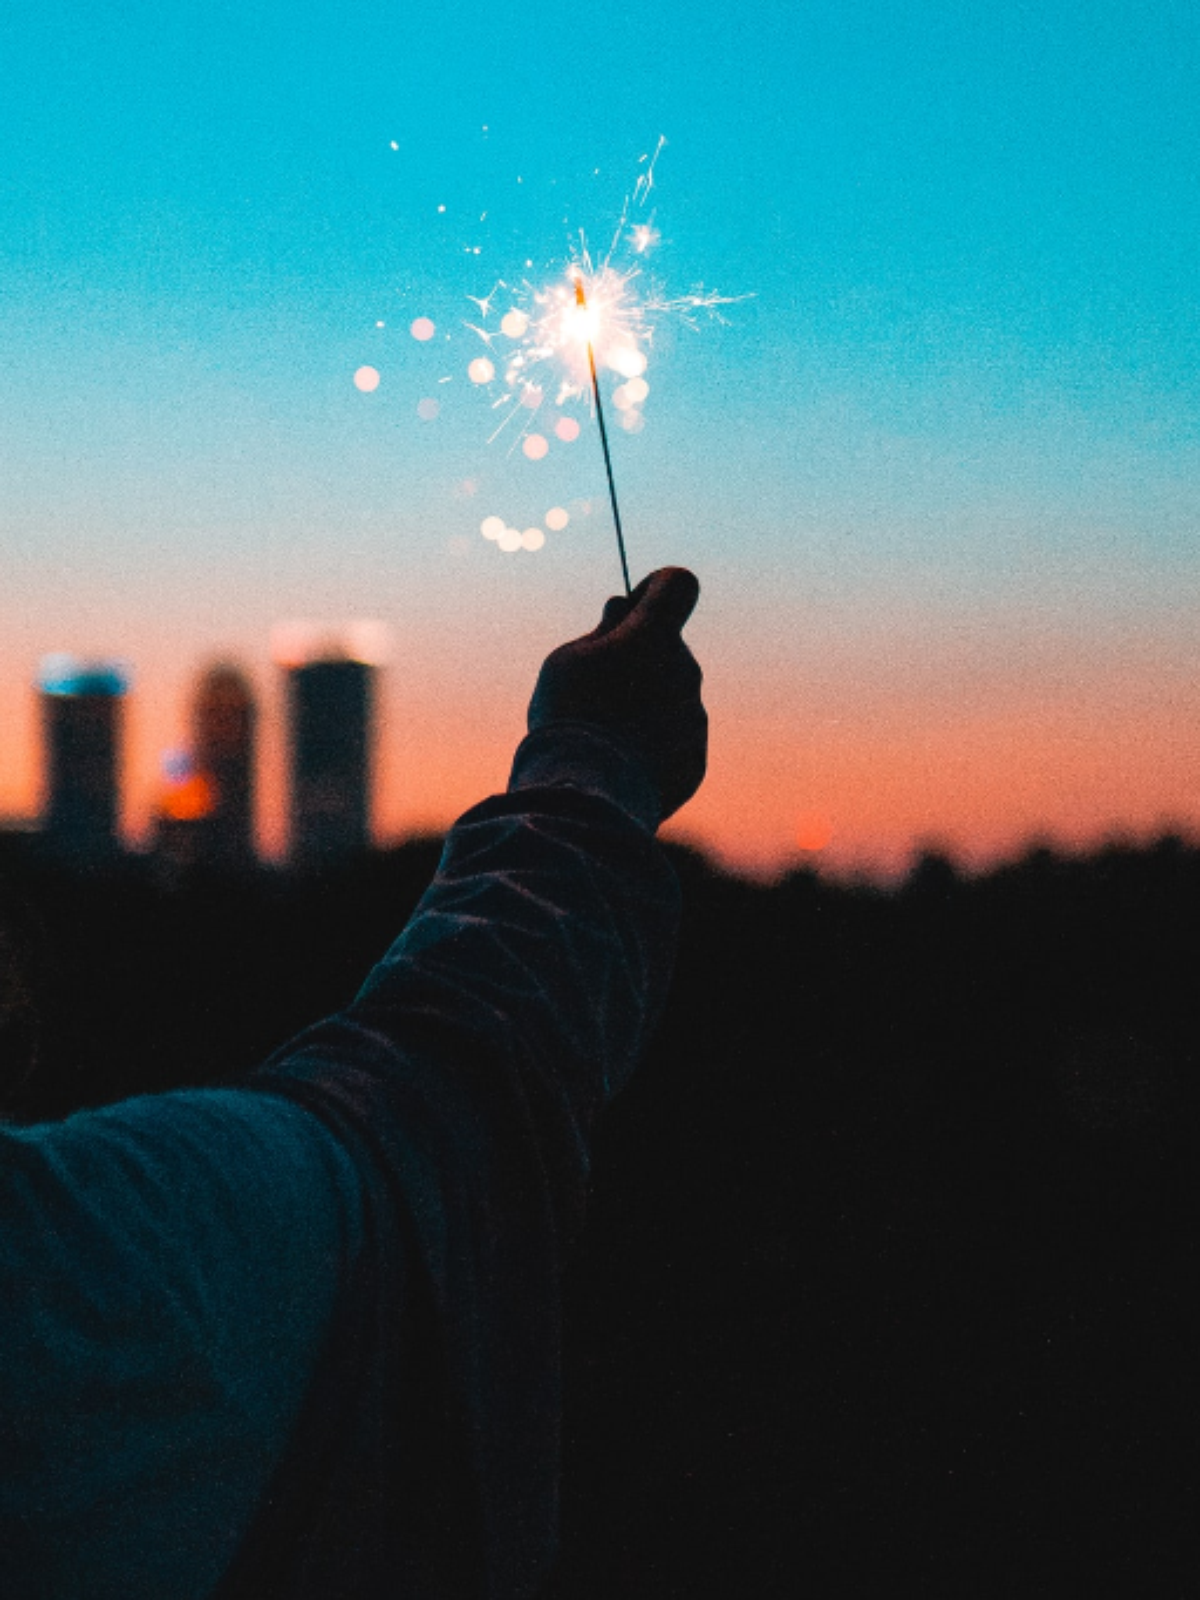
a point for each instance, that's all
(330, 716)
(224, 716)
(81, 721)
(329, 719)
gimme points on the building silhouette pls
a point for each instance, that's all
(82, 703)
(330, 705)
(224, 719)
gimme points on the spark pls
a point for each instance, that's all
(646, 181)
(485, 305)
(548, 332)
(644, 236)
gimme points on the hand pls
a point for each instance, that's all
(634, 676)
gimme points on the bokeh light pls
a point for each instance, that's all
(514, 324)
(557, 519)
(509, 540)
(813, 832)
(637, 389)
(532, 539)
(632, 421)
(427, 409)
(366, 379)
(188, 800)
(481, 370)
(531, 396)
(629, 361)
(535, 446)
(567, 429)
(492, 527)
(622, 398)
(423, 329)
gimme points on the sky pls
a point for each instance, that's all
(937, 465)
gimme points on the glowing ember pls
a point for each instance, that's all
(813, 832)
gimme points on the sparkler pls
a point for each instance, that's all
(548, 343)
(553, 340)
(581, 302)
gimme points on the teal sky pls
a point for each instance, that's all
(944, 463)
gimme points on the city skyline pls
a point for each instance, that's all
(205, 811)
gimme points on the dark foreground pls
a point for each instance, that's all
(889, 1285)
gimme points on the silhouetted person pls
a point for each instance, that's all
(300, 1337)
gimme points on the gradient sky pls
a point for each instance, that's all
(939, 477)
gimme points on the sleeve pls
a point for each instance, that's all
(469, 1072)
(168, 1267)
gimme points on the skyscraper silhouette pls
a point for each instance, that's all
(81, 721)
(330, 706)
(224, 716)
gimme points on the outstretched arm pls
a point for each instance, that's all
(211, 1297)
(470, 1069)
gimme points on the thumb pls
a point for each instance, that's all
(664, 600)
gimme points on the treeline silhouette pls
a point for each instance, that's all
(889, 1282)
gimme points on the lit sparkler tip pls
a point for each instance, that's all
(580, 297)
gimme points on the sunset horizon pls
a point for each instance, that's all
(898, 351)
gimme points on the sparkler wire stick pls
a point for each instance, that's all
(581, 302)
